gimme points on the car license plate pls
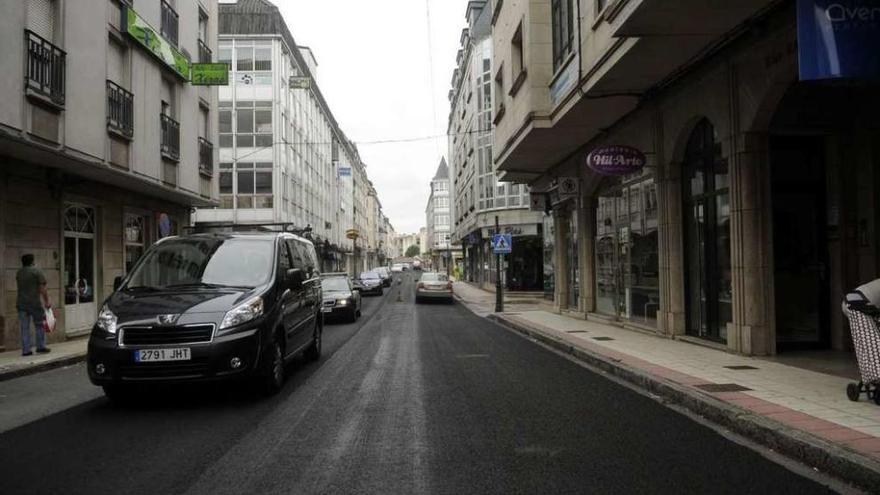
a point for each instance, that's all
(327, 310)
(159, 355)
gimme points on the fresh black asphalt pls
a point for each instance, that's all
(411, 399)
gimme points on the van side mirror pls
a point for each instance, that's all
(295, 278)
(117, 283)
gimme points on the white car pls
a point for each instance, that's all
(435, 287)
(396, 268)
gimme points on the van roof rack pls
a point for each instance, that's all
(210, 228)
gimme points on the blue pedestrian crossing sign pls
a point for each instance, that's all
(502, 244)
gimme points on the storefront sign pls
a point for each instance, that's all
(154, 42)
(209, 75)
(514, 230)
(345, 172)
(616, 160)
(838, 39)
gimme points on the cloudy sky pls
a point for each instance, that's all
(374, 70)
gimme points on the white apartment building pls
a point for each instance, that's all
(283, 157)
(438, 218)
(479, 197)
(105, 145)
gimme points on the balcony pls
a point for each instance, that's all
(45, 69)
(170, 145)
(169, 23)
(206, 157)
(205, 54)
(659, 18)
(120, 110)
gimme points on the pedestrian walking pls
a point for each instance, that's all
(32, 303)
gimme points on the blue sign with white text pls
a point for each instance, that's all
(838, 39)
(502, 244)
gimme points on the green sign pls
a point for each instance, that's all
(209, 75)
(300, 82)
(150, 39)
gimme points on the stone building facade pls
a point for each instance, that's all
(756, 210)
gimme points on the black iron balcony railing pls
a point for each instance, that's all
(205, 53)
(169, 22)
(45, 68)
(206, 157)
(170, 138)
(120, 110)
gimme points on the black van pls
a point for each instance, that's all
(210, 307)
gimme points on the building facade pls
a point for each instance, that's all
(283, 157)
(479, 198)
(438, 215)
(98, 164)
(756, 208)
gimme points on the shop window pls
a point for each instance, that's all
(135, 239)
(706, 218)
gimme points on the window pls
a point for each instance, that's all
(253, 121)
(225, 121)
(227, 198)
(253, 185)
(41, 18)
(205, 54)
(253, 62)
(499, 93)
(562, 20)
(517, 59)
(135, 239)
(169, 22)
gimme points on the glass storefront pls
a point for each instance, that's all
(627, 256)
(549, 260)
(706, 217)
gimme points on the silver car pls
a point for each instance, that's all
(435, 287)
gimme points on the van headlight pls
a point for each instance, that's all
(107, 320)
(248, 311)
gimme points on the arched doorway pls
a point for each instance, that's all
(706, 220)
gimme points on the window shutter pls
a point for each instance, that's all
(41, 18)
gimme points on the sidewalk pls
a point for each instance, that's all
(803, 414)
(14, 365)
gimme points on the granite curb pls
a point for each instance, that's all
(839, 462)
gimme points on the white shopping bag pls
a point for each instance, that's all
(49, 321)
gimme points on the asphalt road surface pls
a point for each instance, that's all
(411, 399)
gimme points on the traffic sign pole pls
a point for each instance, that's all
(499, 287)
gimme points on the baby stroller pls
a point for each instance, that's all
(862, 308)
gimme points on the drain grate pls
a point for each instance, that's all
(603, 339)
(741, 368)
(722, 387)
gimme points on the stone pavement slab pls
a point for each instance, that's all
(14, 365)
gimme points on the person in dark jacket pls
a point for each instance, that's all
(31, 303)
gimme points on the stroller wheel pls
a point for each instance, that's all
(853, 391)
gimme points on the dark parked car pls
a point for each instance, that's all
(372, 284)
(210, 307)
(385, 273)
(340, 297)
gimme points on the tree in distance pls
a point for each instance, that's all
(412, 251)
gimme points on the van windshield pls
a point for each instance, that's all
(245, 263)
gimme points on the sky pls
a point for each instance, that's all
(374, 71)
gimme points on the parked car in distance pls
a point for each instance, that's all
(341, 298)
(385, 273)
(210, 307)
(372, 283)
(434, 286)
(397, 268)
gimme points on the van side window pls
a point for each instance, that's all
(285, 260)
(297, 257)
(312, 258)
